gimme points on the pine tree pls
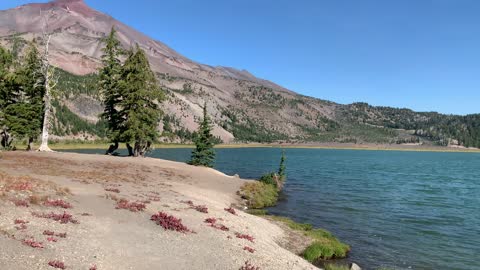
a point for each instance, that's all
(7, 94)
(23, 113)
(139, 104)
(32, 83)
(204, 154)
(281, 170)
(109, 80)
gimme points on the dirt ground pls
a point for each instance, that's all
(94, 212)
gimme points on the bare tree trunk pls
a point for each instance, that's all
(46, 118)
(113, 147)
(136, 149)
(6, 140)
(49, 85)
(130, 150)
(30, 144)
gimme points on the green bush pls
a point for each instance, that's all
(269, 179)
(259, 195)
(325, 245)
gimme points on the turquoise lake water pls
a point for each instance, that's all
(403, 210)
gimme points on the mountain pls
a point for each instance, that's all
(243, 107)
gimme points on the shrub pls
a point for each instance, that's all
(57, 203)
(169, 222)
(57, 264)
(93, 267)
(249, 266)
(259, 194)
(116, 190)
(269, 179)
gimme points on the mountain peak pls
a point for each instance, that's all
(67, 1)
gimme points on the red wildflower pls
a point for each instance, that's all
(22, 203)
(32, 243)
(57, 264)
(249, 266)
(132, 206)
(169, 222)
(230, 210)
(20, 221)
(62, 218)
(245, 236)
(58, 203)
(51, 239)
(249, 249)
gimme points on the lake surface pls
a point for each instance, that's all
(403, 210)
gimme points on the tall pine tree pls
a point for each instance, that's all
(282, 168)
(204, 154)
(7, 95)
(109, 81)
(23, 113)
(139, 104)
(32, 83)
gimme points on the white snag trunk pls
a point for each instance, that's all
(49, 85)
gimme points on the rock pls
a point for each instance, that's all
(354, 266)
(236, 175)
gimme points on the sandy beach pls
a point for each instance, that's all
(109, 228)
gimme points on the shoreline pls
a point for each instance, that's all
(94, 184)
(333, 146)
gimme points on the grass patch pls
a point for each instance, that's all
(336, 267)
(257, 212)
(325, 249)
(259, 195)
(325, 246)
(294, 225)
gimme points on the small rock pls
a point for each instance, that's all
(354, 266)
(236, 175)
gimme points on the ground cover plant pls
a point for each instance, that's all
(169, 222)
(63, 218)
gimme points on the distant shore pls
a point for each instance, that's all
(344, 146)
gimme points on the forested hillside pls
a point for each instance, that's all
(353, 123)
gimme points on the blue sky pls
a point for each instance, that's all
(419, 54)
